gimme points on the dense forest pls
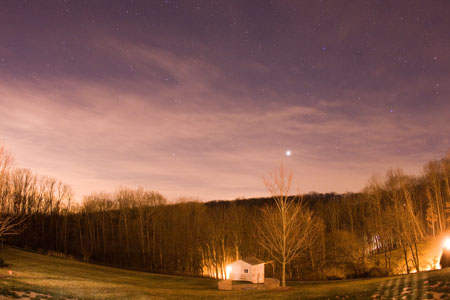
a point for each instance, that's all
(354, 233)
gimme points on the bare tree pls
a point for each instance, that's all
(11, 225)
(380, 220)
(5, 188)
(407, 226)
(284, 228)
(10, 222)
(434, 190)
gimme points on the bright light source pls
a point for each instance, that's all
(228, 270)
(288, 152)
(447, 243)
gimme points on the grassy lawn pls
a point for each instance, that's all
(59, 278)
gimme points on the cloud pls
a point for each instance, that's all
(180, 124)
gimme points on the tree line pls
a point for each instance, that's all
(332, 235)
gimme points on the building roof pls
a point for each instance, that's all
(252, 260)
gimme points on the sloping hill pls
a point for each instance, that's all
(57, 278)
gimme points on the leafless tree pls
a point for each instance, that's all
(10, 222)
(11, 225)
(434, 190)
(407, 226)
(284, 228)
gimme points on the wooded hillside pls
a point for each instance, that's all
(137, 228)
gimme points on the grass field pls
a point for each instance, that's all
(36, 276)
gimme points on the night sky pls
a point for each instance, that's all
(202, 98)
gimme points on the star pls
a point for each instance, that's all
(288, 152)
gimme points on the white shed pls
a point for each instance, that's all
(248, 269)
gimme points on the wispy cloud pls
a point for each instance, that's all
(183, 125)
